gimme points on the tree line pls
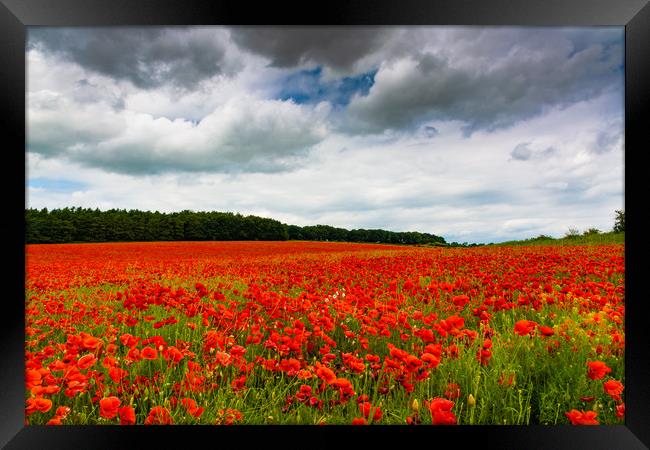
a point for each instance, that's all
(119, 225)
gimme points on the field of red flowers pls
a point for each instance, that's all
(323, 333)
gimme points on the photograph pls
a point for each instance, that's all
(406, 225)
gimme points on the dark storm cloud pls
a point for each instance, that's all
(146, 56)
(336, 47)
(517, 82)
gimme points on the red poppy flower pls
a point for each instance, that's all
(192, 407)
(63, 411)
(38, 404)
(108, 407)
(372, 358)
(597, 370)
(129, 340)
(173, 354)
(525, 327)
(484, 356)
(367, 409)
(326, 374)
(359, 421)
(546, 331)
(91, 343)
(460, 300)
(149, 353)
(582, 418)
(441, 414)
(127, 415)
(239, 383)
(431, 361)
(56, 420)
(32, 378)
(620, 410)
(117, 374)
(86, 361)
(613, 388)
(453, 391)
(159, 416)
(134, 354)
(304, 374)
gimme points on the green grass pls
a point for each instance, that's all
(589, 239)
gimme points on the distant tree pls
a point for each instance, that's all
(572, 232)
(591, 231)
(619, 222)
(88, 225)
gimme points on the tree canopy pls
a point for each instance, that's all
(619, 221)
(92, 225)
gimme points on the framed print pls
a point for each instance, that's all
(408, 217)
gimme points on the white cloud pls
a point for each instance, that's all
(244, 133)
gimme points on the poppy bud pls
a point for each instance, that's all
(471, 401)
(415, 406)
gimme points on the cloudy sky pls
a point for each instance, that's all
(474, 134)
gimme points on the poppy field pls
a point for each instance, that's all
(323, 333)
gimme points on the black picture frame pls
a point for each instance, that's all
(16, 15)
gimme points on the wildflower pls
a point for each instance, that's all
(441, 414)
(326, 374)
(582, 418)
(192, 407)
(56, 420)
(108, 407)
(620, 410)
(546, 331)
(239, 383)
(149, 353)
(597, 370)
(127, 415)
(32, 378)
(86, 361)
(613, 388)
(366, 409)
(38, 404)
(453, 391)
(525, 327)
(431, 361)
(91, 343)
(159, 416)
(63, 411)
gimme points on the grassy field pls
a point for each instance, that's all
(581, 239)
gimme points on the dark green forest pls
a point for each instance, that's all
(119, 225)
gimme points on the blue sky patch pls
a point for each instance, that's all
(56, 184)
(306, 86)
